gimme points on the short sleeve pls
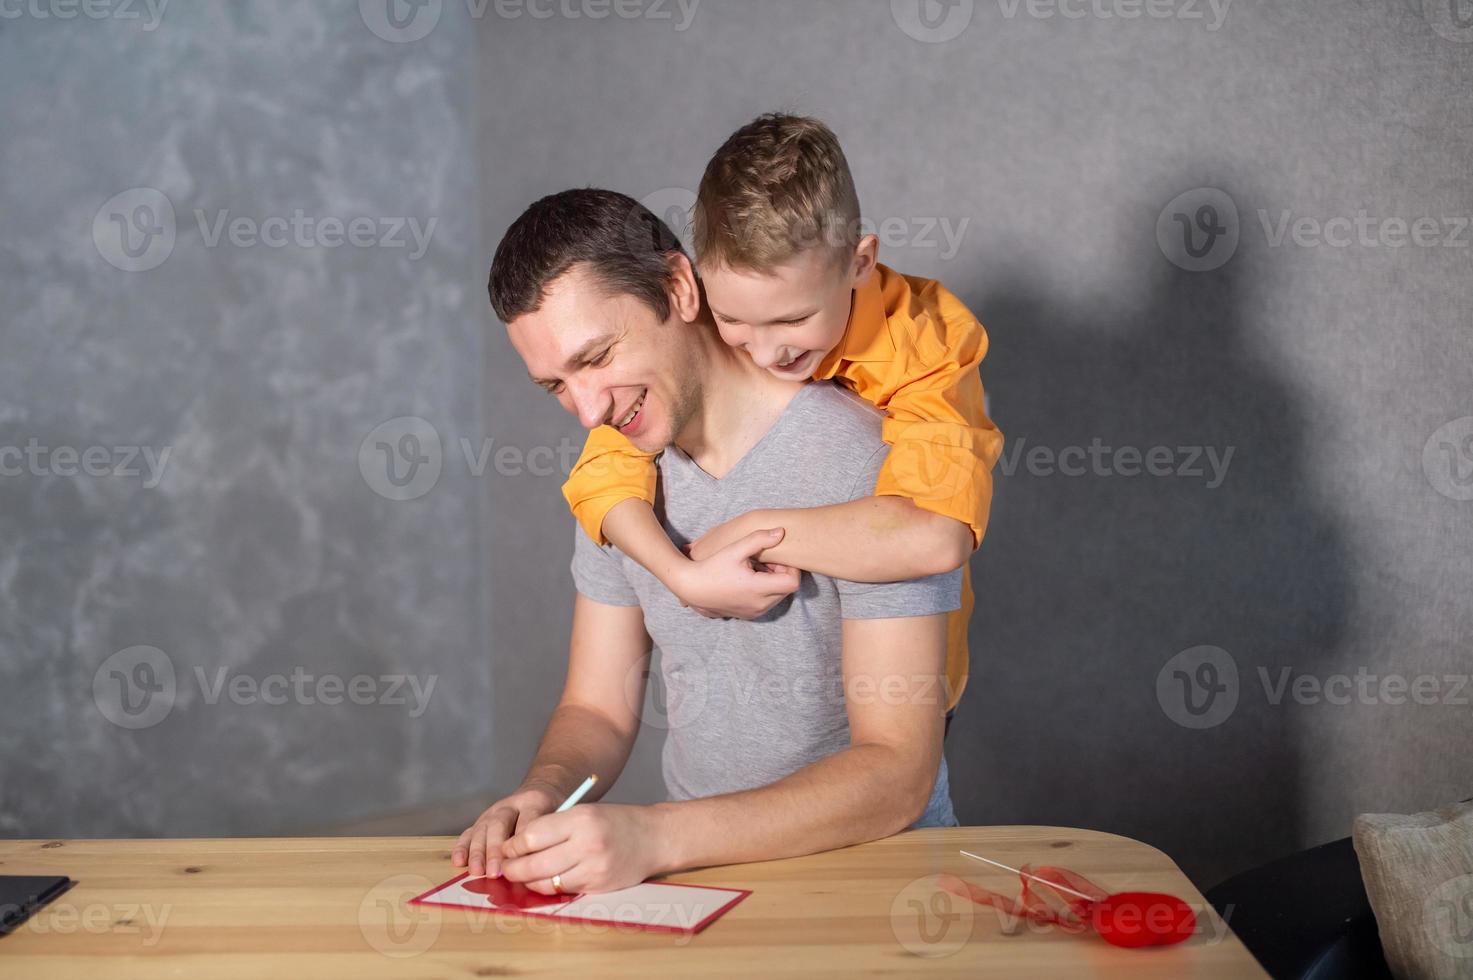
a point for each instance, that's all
(598, 572)
(896, 600)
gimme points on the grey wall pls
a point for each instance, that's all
(261, 550)
(1059, 142)
(1055, 146)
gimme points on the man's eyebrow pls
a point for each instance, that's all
(579, 356)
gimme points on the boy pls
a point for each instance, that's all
(789, 278)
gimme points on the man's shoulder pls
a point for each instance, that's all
(842, 411)
(832, 436)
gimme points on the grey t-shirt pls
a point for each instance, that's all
(750, 702)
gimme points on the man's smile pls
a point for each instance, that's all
(629, 421)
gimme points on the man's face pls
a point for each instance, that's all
(610, 360)
(788, 317)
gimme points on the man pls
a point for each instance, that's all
(814, 726)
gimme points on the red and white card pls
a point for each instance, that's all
(656, 905)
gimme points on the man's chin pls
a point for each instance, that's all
(646, 444)
(648, 439)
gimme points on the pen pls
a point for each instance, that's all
(578, 793)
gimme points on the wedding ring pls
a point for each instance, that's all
(557, 883)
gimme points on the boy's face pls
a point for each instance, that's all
(610, 360)
(790, 316)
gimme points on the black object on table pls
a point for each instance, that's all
(21, 895)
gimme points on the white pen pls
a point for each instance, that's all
(578, 793)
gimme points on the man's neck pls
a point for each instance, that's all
(740, 403)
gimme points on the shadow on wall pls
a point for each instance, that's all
(1096, 699)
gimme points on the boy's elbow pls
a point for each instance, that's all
(948, 546)
(932, 543)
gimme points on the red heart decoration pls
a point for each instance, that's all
(511, 894)
(1134, 919)
(1057, 896)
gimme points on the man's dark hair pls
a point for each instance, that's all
(624, 245)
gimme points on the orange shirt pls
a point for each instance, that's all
(912, 349)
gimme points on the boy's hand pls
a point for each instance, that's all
(595, 847)
(480, 846)
(725, 535)
(730, 582)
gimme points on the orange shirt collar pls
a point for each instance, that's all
(865, 337)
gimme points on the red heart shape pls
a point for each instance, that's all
(1133, 919)
(511, 894)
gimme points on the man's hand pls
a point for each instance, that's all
(594, 847)
(480, 846)
(732, 582)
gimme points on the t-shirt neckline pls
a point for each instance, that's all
(754, 449)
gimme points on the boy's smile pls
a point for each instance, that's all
(797, 364)
(788, 317)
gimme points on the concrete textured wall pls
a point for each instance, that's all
(1132, 630)
(1027, 161)
(259, 359)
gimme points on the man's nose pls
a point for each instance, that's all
(590, 403)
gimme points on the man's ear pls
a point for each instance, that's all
(866, 256)
(682, 288)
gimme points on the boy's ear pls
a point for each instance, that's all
(866, 256)
(683, 289)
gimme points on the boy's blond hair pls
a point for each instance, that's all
(777, 186)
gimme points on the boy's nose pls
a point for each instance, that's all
(765, 357)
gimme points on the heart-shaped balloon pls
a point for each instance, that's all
(1060, 897)
(1134, 919)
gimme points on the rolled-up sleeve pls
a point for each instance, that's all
(609, 469)
(943, 445)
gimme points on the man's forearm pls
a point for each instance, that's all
(859, 794)
(579, 742)
(872, 539)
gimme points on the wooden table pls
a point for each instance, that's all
(283, 908)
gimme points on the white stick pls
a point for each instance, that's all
(1016, 871)
(577, 794)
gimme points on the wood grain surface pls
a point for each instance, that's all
(282, 908)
